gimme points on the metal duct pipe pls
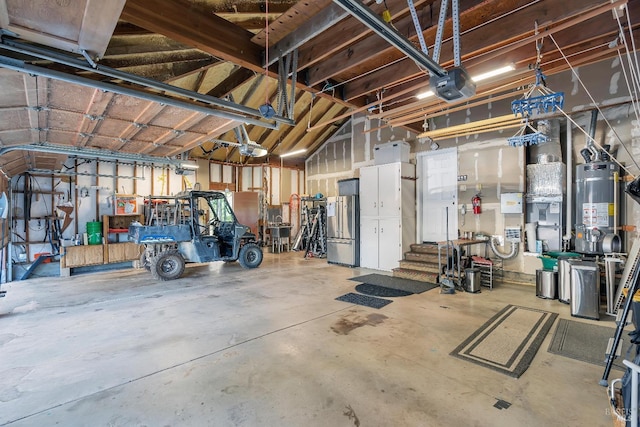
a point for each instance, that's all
(49, 55)
(512, 253)
(16, 65)
(569, 207)
(90, 153)
(592, 133)
(616, 183)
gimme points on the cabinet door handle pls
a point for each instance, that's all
(374, 204)
(382, 204)
(375, 230)
(381, 230)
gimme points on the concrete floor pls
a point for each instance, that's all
(224, 346)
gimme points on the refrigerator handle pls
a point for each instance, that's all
(339, 217)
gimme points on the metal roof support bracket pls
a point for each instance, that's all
(286, 96)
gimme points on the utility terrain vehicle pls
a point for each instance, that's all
(192, 226)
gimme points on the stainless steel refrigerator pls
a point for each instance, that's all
(343, 229)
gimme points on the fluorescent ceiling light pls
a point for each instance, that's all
(424, 95)
(293, 153)
(476, 79)
(493, 73)
(189, 165)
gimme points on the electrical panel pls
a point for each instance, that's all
(513, 234)
(511, 203)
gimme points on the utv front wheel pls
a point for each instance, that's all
(250, 256)
(167, 266)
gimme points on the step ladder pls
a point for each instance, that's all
(632, 264)
(630, 280)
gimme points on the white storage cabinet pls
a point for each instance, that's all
(387, 214)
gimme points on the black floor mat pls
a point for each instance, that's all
(584, 341)
(381, 291)
(413, 286)
(365, 300)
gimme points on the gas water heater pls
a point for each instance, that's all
(597, 195)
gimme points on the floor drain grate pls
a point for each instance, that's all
(502, 404)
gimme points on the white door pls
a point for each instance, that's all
(369, 242)
(389, 243)
(437, 191)
(369, 191)
(389, 190)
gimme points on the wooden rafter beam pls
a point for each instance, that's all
(235, 79)
(481, 40)
(192, 25)
(329, 43)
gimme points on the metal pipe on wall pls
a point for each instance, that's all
(616, 183)
(569, 210)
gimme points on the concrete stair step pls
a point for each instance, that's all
(420, 276)
(424, 248)
(419, 266)
(424, 257)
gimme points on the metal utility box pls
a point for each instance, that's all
(511, 203)
(349, 187)
(391, 152)
(547, 212)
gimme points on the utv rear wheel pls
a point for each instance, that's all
(167, 266)
(250, 256)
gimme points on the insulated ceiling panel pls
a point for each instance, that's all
(15, 137)
(71, 25)
(14, 118)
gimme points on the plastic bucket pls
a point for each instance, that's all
(94, 233)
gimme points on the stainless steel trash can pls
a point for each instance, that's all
(585, 290)
(564, 279)
(472, 280)
(546, 284)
